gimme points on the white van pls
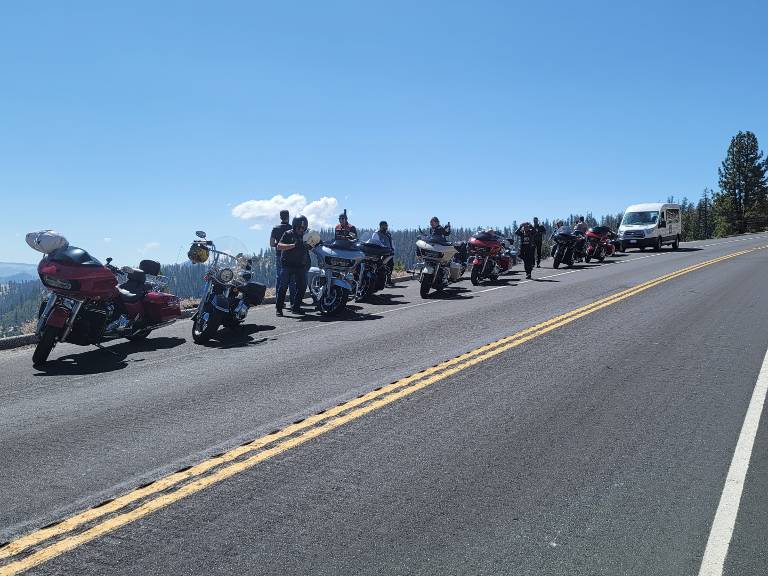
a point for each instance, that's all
(650, 226)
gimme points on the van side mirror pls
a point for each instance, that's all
(663, 224)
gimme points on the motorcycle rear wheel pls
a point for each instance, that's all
(203, 331)
(45, 345)
(426, 284)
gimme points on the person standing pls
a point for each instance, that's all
(538, 237)
(294, 264)
(527, 246)
(382, 237)
(345, 230)
(274, 238)
(297, 297)
(581, 226)
(436, 230)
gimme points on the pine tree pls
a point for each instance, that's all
(743, 186)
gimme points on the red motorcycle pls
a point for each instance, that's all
(87, 305)
(489, 256)
(599, 243)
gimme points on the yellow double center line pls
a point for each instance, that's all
(118, 512)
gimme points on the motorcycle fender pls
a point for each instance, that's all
(342, 283)
(315, 271)
(220, 302)
(428, 269)
(58, 317)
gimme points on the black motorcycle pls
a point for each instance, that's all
(371, 273)
(563, 249)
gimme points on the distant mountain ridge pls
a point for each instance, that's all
(17, 272)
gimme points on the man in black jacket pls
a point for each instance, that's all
(274, 238)
(538, 237)
(526, 251)
(294, 258)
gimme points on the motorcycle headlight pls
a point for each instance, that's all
(60, 283)
(338, 262)
(225, 275)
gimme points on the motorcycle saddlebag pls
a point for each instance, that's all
(161, 307)
(254, 293)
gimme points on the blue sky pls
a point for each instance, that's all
(128, 126)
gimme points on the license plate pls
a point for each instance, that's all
(633, 241)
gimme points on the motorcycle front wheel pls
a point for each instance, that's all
(426, 284)
(334, 302)
(203, 330)
(474, 277)
(45, 345)
(558, 259)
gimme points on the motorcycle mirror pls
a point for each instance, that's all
(109, 260)
(200, 234)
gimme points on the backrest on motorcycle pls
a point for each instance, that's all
(150, 267)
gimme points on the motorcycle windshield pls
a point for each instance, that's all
(229, 249)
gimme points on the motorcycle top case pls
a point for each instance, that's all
(254, 293)
(161, 307)
(46, 241)
(73, 270)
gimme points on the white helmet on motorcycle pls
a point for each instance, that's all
(46, 241)
(312, 238)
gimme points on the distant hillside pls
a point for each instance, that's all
(16, 272)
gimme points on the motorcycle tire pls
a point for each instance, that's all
(139, 336)
(601, 258)
(45, 345)
(426, 284)
(474, 276)
(335, 304)
(587, 257)
(558, 259)
(203, 331)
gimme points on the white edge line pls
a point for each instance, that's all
(725, 518)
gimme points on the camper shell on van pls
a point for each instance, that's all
(650, 225)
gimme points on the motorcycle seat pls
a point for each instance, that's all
(438, 241)
(342, 244)
(129, 297)
(375, 250)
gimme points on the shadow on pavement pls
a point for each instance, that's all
(238, 337)
(108, 359)
(451, 294)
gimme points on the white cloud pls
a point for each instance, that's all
(107, 240)
(320, 213)
(148, 247)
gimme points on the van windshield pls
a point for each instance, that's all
(631, 218)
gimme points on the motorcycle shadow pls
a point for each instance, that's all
(352, 313)
(240, 338)
(109, 359)
(386, 300)
(452, 294)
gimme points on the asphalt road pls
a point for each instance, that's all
(600, 447)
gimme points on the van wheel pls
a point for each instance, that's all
(657, 247)
(676, 243)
